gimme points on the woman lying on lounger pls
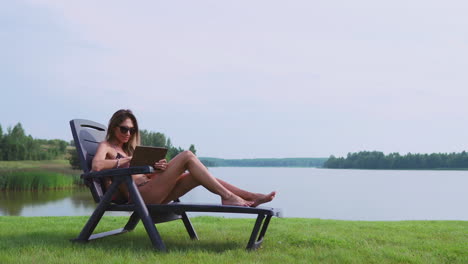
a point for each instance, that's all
(170, 180)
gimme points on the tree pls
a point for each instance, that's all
(73, 159)
(331, 162)
(377, 160)
(1, 141)
(192, 148)
(154, 139)
(18, 131)
(13, 149)
(15, 145)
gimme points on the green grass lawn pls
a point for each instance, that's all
(288, 240)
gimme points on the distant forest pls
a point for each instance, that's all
(285, 162)
(377, 160)
(16, 145)
(156, 139)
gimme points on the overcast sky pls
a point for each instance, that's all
(244, 79)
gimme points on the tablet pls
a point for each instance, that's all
(147, 156)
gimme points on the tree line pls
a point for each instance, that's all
(378, 160)
(157, 139)
(271, 162)
(16, 145)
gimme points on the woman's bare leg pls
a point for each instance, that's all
(256, 198)
(186, 182)
(159, 188)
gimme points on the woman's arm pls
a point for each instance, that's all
(100, 162)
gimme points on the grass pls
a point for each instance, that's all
(289, 240)
(37, 175)
(15, 165)
(62, 166)
(36, 180)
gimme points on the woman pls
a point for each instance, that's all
(170, 180)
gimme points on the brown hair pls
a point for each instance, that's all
(117, 119)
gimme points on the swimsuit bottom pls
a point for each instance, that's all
(142, 184)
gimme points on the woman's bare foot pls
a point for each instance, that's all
(235, 200)
(262, 198)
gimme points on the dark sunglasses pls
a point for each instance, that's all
(125, 130)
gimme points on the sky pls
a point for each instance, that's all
(243, 79)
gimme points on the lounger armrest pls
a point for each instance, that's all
(118, 172)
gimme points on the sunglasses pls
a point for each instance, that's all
(125, 130)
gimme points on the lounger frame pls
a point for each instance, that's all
(87, 135)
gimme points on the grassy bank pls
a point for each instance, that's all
(61, 166)
(36, 180)
(20, 164)
(45, 240)
(37, 175)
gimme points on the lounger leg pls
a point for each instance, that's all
(188, 225)
(143, 213)
(256, 240)
(264, 229)
(132, 222)
(94, 219)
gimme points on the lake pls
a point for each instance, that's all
(302, 192)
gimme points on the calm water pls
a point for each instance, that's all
(302, 192)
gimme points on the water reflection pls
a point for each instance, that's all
(42, 203)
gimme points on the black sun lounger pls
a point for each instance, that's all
(87, 135)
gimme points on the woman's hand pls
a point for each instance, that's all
(125, 162)
(161, 165)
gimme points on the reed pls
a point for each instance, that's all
(23, 180)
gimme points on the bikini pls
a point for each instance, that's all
(118, 198)
(119, 156)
